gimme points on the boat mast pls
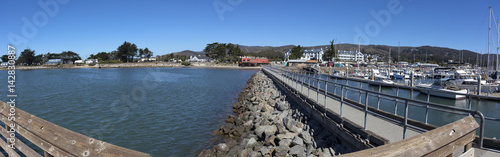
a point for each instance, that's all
(498, 43)
(489, 32)
(399, 52)
(359, 50)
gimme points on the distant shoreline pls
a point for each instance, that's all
(134, 65)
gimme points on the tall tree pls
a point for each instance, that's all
(67, 56)
(27, 57)
(147, 53)
(5, 58)
(127, 51)
(39, 59)
(297, 52)
(330, 53)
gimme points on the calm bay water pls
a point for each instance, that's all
(160, 111)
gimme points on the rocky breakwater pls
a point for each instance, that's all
(266, 124)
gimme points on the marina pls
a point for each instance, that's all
(488, 103)
(327, 93)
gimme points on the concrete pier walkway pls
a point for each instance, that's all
(391, 131)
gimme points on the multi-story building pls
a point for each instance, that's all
(316, 54)
(350, 56)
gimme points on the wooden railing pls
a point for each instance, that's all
(54, 140)
(442, 141)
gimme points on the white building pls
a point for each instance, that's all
(92, 61)
(78, 61)
(199, 58)
(350, 56)
(374, 58)
(152, 59)
(316, 54)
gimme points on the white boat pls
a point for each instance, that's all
(360, 74)
(464, 81)
(399, 74)
(443, 88)
(381, 80)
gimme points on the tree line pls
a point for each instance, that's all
(223, 52)
(28, 57)
(124, 53)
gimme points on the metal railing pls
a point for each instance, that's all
(314, 80)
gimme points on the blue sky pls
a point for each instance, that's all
(91, 26)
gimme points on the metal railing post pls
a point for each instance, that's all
(302, 83)
(481, 128)
(296, 83)
(396, 104)
(317, 91)
(378, 97)
(326, 92)
(428, 95)
(309, 85)
(341, 98)
(366, 107)
(406, 119)
(470, 103)
(426, 113)
(359, 99)
(334, 89)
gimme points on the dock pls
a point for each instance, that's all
(365, 127)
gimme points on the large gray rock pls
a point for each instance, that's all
(285, 142)
(222, 147)
(291, 125)
(298, 150)
(282, 151)
(282, 105)
(297, 141)
(265, 151)
(284, 114)
(243, 153)
(287, 135)
(266, 130)
(253, 154)
(251, 142)
(274, 94)
(307, 138)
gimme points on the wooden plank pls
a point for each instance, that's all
(75, 144)
(23, 148)
(9, 151)
(41, 143)
(425, 143)
(453, 146)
